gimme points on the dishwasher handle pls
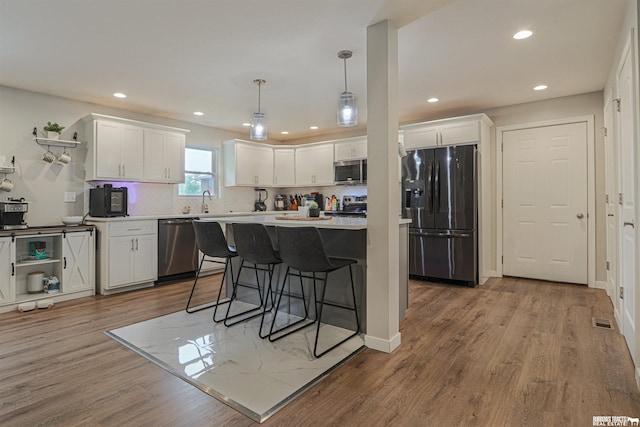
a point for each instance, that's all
(176, 221)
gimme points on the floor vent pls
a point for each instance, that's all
(602, 323)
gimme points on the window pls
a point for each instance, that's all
(200, 172)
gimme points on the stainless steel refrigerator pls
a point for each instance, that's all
(440, 197)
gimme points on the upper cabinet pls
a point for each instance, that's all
(247, 163)
(314, 165)
(284, 161)
(350, 149)
(128, 150)
(455, 131)
(163, 156)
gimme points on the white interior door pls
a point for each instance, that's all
(545, 203)
(626, 117)
(612, 185)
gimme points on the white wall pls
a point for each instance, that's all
(43, 185)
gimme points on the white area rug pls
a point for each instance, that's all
(232, 364)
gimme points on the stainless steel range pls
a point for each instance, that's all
(12, 214)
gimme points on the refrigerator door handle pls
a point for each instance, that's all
(436, 191)
(430, 186)
(439, 234)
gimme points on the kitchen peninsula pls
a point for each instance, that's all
(343, 238)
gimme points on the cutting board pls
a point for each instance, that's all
(303, 218)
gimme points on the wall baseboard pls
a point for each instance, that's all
(386, 346)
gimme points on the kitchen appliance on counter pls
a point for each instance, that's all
(281, 202)
(352, 206)
(108, 201)
(260, 203)
(350, 172)
(440, 197)
(177, 249)
(12, 214)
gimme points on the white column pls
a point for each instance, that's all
(383, 188)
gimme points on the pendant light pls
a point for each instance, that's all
(259, 121)
(347, 109)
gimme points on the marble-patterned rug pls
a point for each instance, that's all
(232, 364)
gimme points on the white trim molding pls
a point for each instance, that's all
(386, 346)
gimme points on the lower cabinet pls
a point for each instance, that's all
(127, 255)
(65, 253)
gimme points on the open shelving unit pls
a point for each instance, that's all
(48, 142)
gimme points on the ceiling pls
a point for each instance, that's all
(175, 57)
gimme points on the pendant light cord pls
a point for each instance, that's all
(259, 84)
(345, 74)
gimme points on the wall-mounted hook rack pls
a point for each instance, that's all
(9, 169)
(56, 142)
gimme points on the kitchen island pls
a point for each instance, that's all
(343, 238)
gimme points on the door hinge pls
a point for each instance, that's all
(608, 266)
(606, 198)
(502, 259)
(618, 101)
(621, 292)
(604, 129)
(619, 198)
(502, 203)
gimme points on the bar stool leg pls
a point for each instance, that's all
(226, 300)
(275, 313)
(258, 309)
(355, 310)
(193, 288)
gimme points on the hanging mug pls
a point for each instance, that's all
(48, 157)
(6, 185)
(64, 158)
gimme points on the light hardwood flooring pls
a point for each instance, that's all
(510, 353)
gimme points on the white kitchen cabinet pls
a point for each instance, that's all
(284, 167)
(118, 151)
(247, 164)
(314, 165)
(127, 255)
(69, 257)
(350, 149)
(78, 255)
(163, 156)
(455, 131)
(127, 150)
(7, 271)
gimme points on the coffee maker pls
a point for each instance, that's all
(12, 214)
(260, 205)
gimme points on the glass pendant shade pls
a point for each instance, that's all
(259, 127)
(347, 110)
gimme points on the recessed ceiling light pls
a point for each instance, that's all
(284, 132)
(198, 113)
(313, 127)
(119, 95)
(540, 87)
(246, 124)
(524, 34)
(432, 100)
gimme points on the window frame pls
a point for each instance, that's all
(215, 168)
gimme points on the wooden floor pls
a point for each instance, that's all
(510, 353)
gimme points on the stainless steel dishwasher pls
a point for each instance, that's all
(177, 249)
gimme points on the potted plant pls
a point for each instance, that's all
(53, 130)
(314, 210)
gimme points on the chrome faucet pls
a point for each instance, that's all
(205, 208)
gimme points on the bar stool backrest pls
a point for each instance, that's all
(302, 248)
(254, 244)
(210, 239)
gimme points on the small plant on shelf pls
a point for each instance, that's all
(314, 210)
(53, 130)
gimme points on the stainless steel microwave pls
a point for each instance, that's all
(350, 172)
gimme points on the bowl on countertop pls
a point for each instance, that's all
(72, 220)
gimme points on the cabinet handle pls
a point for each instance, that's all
(64, 262)
(119, 170)
(13, 269)
(124, 173)
(168, 172)
(136, 244)
(132, 244)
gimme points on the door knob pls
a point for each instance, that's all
(579, 215)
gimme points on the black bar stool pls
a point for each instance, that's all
(302, 249)
(212, 243)
(254, 246)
